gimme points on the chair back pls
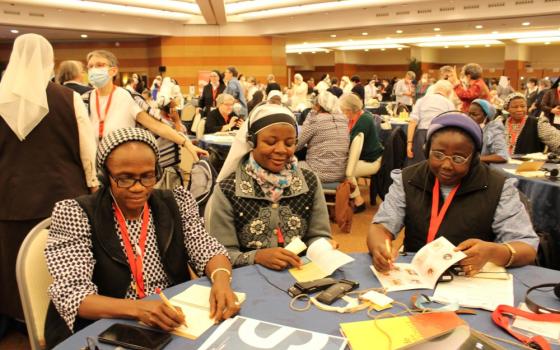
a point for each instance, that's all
(188, 113)
(196, 120)
(354, 154)
(200, 128)
(33, 279)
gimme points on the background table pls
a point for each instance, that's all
(268, 303)
(220, 142)
(544, 195)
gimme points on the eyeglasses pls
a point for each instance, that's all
(128, 182)
(455, 159)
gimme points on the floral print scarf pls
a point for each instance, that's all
(272, 184)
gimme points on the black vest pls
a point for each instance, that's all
(112, 273)
(470, 215)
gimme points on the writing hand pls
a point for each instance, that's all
(277, 258)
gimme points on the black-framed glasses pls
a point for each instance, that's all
(128, 182)
(455, 159)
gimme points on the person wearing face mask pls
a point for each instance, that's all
(521, 130)
(494, 149)
(112, 107)
(47, 154)
(454, 195)
(263, 199)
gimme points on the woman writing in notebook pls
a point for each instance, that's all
(453, 194)
(107, 251)
(262, 199)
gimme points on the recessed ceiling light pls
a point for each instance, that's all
(366, 50)
(14, 31)
(495, 32)
(467, 46)
(364, 33)
(387, 38)
(312, 52)
(305, 43)
(399, 48)
(84, 36)
(350, 40)
(438, 35)
(526, 23)
(478, 26)
(333, 35)
(547, 43)
(437, 29)
(382, 49)
(299, 53)
(446, 46)
(399, 31)
(487, 45)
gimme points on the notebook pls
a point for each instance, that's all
(406, 331)
(321, 261)
(195, 303)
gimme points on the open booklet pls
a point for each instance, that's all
(423, 272)
(322, 260)
(195, 303)
(249, 334)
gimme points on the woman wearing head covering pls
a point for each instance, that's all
(521, 130)
(298, 93)
(215, 87)
(105, 234)
(494, 149)
(481, 213)
(323, 84)
(346, 85)
(47, 153)
(263, 199)
(360, 121)
(325, 133)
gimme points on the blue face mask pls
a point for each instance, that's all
(98, 77)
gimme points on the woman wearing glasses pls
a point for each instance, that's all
(453, 194)
(109, 250)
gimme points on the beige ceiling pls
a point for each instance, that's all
(313, 20)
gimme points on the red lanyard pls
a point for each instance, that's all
(99, 115)
(436, 218)
(513, 136)
(499, 317)
(280, 237)
(135, 256)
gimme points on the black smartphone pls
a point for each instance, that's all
(134, 337)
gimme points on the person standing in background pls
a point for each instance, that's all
(210, 92)
(404, 90)
(71, 75)
(272, 84)
(48, 154)
(551, 104)
(234, 88)
(474, 87)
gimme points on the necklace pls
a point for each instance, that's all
(513, 131)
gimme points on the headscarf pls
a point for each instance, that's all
(260, 118)
(120, 136)
(458, 120)
(328, 102)
(488, 109)
(23, 89)
(512, 96)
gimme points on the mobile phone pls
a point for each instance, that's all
(134, 337)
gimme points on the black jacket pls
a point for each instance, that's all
(394, 156)
(207, 100)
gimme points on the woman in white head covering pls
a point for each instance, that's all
(263, 199)
(325, 133)
(47, 152)
(298, 93)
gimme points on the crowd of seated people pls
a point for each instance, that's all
(102, 137)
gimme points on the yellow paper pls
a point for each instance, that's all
(362, 335)
(308, 272)
(381, 308)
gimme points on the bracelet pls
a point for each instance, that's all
(218, 270)
(512, 254)
(409, 141)
(184, 144)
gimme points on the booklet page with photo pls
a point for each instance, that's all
(426, 267)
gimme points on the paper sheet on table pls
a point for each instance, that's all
(492, 271)
(324, 260)
(549, 330)
(536, 156)
(529, 166)
(514, 161)
(526, 173)
(475, 293)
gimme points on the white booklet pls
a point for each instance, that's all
(322, 260)
(475, 293)
(423, 272)
(250, 334)
(195, 303)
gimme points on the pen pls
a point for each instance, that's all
(388, 246)
(168, 303)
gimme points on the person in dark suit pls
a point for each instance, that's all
(334, 89)
(358, 88)
(71, 75)
(210, 92)
(551, 104)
